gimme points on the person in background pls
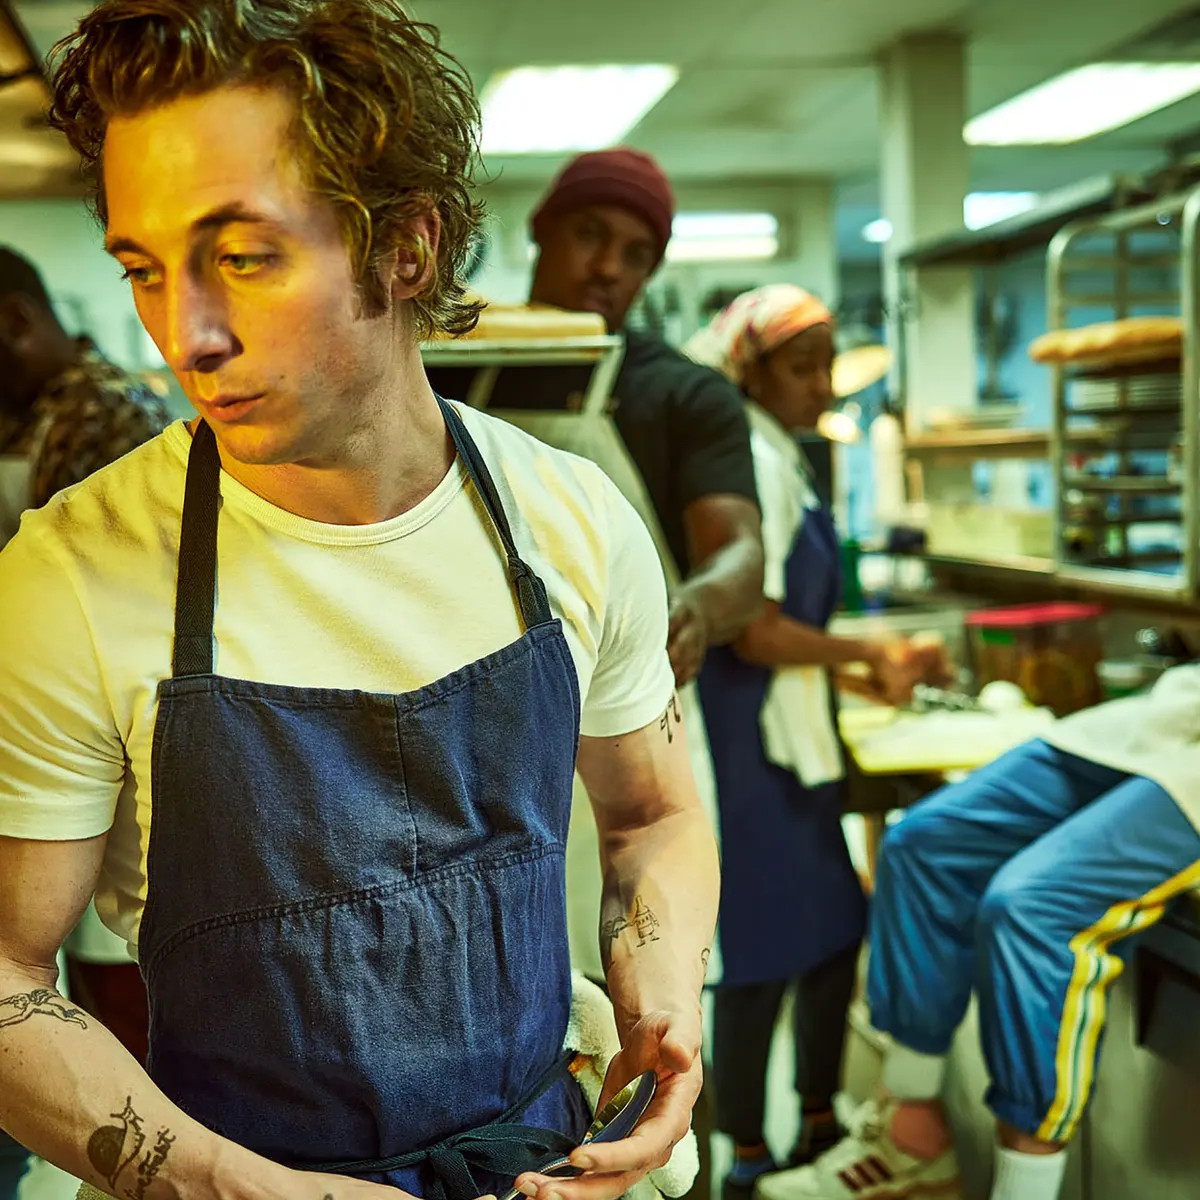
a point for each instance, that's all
(308, 678)
(792, 908)
(1030, 884)
(601, 231)
(65, 411)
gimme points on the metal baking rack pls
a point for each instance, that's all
(604, 354)
(1125, 439)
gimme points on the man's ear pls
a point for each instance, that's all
(17, 317)
(412, 266)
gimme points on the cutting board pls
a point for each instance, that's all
(889, 741)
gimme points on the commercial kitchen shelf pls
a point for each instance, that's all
(1132, 485)
(978, 443)
(1163, 230)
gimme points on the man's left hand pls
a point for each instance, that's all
(667, 1043)
(687, 638)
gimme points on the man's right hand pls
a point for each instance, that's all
(895, 672)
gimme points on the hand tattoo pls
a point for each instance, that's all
(670, 719)
(113, 1149)
(641, 920)
(41, 1003)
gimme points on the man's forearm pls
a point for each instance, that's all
(727, 588)
(658, 914)
(72, 1093)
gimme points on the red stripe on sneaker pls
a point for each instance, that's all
(850, 1181)
(865, 1178)
(869, 1175)
(881, 1169)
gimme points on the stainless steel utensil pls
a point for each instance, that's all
(616, 1120)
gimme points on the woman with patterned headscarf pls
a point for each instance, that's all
(792, 909)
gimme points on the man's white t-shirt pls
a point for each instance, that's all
(87, 600)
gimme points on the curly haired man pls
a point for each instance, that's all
(310, 674)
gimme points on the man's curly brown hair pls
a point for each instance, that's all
(386, 126)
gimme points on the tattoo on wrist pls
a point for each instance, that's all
(41, 1003)
(670, 719)
(705, 955)
(113, 1150)
(640, 919)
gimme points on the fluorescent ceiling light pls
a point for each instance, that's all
(1083, 103)
(734, 249)
(980, 209)
(723, 237)
(553, 110)
(695, 225)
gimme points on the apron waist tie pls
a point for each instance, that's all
(500, 1148)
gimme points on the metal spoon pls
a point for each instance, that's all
(616, 1120)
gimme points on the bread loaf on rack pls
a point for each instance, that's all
(1135, 339)
(532, 322)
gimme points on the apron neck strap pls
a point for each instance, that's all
(531, 592)
(196, 584)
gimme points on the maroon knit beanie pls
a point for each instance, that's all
(623, 177)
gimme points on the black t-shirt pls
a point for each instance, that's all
(684, 425)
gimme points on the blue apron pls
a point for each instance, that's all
(354, 938)
(790, 897)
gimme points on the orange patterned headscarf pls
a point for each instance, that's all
(754, 324)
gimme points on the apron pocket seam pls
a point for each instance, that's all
(342, 899)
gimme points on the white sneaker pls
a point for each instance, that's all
(867, 1165)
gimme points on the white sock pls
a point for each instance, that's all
(1028, 1176)
(908, 1075)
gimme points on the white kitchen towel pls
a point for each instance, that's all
(797, 726)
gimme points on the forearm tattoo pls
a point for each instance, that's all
(670, 719)
(705, 955)
(41, 1003)
(115, 1151)
(640, 919)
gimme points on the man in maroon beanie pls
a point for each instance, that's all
(602, 231)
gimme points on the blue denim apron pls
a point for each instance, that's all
(355, 936)
(790, 898)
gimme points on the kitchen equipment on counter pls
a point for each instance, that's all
(890, 741)
(1051, 651)
(616, 1120)
(974, 531)
(928, 699)
(1121, 677)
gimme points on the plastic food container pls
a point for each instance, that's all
(1051, 651)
